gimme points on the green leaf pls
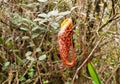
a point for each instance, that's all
(1, 40)
(30, 58)
(31, 44)
(28, 53)
(36, 28)
(41, 21)
(43, 57)
(93, 74)
(21, 78)
(67, 82)
(43, 15)
(25, 37)
(35, 35)
(24, 29)
(38, 19)
(42, 0)
(38, 49)
(101, 32)
(6, 64)
(8, 40)
(65, 13)
(16, 50)
(32, 69)
(53, 13)
(59, 17)
(45, 82)
(73, 8)
(18, 59)
(55, 25)
(31, 73)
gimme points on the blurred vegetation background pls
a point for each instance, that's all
(28, 41)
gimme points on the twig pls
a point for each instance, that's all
(110, 20)
(27, 69)
(86, 60)
(113, 7)
(38, 70)
(112, 74)
(44, 36)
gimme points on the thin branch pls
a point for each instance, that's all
(113, 7)
(110, 20)
(86, 60)
(112, 74)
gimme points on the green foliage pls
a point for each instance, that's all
(29, 52)
(21, 78)
(31, 72)
(19, 60)
(93, 74)
(52, 17)
(8, 42)
(43, 57)
(45, 82)
(67, 83)
(5, 66)
(1, 40)
(42, 0)
(24, 29)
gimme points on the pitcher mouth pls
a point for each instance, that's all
(66, 22)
